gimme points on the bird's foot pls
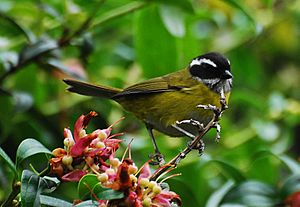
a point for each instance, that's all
(218, 113)
(193, 122)
(157, 159)
(213, 108)
(200, 146)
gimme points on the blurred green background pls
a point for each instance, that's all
(119, 43)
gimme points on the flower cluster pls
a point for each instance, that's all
(83, 152)
(139, 190)
(94, 153)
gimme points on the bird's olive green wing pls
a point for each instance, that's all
(154, 85)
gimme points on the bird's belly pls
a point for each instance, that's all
(166, 121)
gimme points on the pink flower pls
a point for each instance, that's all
(293, 200)
(83, 152)
(139, 191)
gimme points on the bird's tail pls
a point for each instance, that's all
(91, 90)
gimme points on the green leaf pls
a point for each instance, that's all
(55, 202)
(216, 198)
(185, 5)
(89, 203)
(118, 12)
(238, 5)
(8, 161)
(251, 193)
(293, 165)
(22, 30)
(88, 184)
(110, 195)
(52, 184)
(290, 185)
(30, 147)
(232, 205)
(173, 20)
(33, 185)
(155, 46)
(31, 188)
(230, 170)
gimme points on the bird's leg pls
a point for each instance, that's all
(157, 155)
(218, 129)
(186, 133)
(200, 146)
(218, 113)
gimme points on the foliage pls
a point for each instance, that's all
(118, 43)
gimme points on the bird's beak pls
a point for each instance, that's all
(227, 75)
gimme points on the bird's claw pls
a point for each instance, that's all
(157, 159)
(192, 122)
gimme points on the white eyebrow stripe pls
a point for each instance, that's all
(203, 60)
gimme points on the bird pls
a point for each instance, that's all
(169, 103)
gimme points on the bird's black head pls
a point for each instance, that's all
(212, 69)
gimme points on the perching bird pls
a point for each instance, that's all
(163, 102)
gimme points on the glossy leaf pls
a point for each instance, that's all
(185, 5)
(173, 19)
(290, 185)
(216, 198)
(8, 161)
(230, 170)
(120, 11)
(22, 30)
(30, 147)
(31, 188)
(55, 202)
(33, 185)
(52, 184)
(237, 4)
(252, 193)
(110, 195)
(89, 203)
(87, 185)
(293, 165)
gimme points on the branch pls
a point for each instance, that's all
(65, 41)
